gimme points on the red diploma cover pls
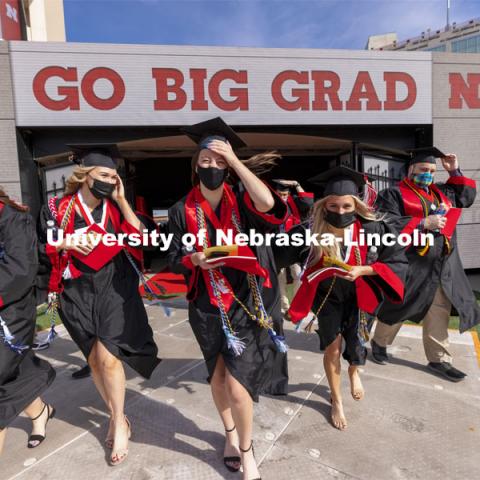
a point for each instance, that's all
(101, 254)
(452, 216)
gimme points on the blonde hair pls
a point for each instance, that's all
(77, 179)
(321, 226)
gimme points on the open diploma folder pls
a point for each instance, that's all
(233, 256)
(101, 254)
(332, 266)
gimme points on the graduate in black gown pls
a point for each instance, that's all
(245, 356)
(436, 279)
(342, 299)
(299, 203)
(99, 301)
(23, 376)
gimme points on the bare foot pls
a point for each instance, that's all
(250, 469)
(231, 449)
(356, 387)
(338, 417)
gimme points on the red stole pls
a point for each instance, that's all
(303, 300)
(416, 201)
(294, 217)
(225, 223)
(99, 256)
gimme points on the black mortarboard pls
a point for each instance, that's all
(280, 186)
(213, 129)
(96, 154)
(339, 181)
(425, 155)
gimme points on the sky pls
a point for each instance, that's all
(343, 24)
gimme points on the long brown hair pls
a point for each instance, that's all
(4, 198)
(259, 164)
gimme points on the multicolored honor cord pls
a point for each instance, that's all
(9, 339)
(234, 343)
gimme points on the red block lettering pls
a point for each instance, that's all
(363, 89)
(461, 90)
(322, 91)
(391, 79)
(162, 76)
(70, 98)
(88, 92)
(240, 95)
(301, 94)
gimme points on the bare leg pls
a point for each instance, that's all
(242, 412)
(221, 400)
(3, 434)
(331, 363)
(95, 367)
(356, 387)
(113, 377)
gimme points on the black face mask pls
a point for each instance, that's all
(340, 220)
(212, 177)
(101, 189)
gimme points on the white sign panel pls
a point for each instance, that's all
(90, 84)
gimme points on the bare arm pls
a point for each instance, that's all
(259, 193)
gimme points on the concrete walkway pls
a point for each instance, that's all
(411, 425)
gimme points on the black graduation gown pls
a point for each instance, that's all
(23, 377)
(436, 268)
(105, 305)
(261, 369)
(340, 313)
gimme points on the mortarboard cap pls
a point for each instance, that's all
(339, 181)
(280, 186)
(425, 155)
(214, 129)
(96, 154)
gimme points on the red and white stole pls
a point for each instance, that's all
(416, 201)
(197, 209)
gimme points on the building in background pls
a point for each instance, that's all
(456, 38)
(318, 108)
(44, 20)
(37, 20)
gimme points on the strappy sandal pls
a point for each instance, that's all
(253, 452)
(121, 455)
(233, 459)
(109, 440)
(41, 438)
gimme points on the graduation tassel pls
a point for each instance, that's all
(235, 344)
(67, 274)
(278, 340)
(8, 339)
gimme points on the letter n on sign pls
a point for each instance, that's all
(464, 91)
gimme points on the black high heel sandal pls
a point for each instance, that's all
(231, 459)
(253, 452)
(41, 438)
